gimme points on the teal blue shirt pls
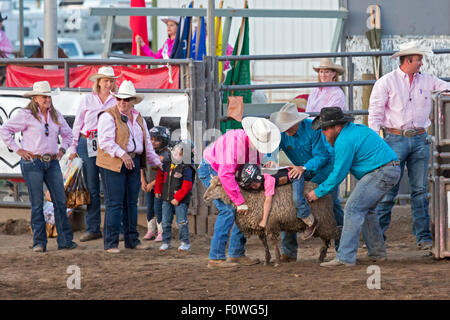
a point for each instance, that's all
(358, 150)
(310, 149)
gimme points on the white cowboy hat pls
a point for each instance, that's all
(264, 135)
(410, 48)
(127, 90)
(174, 19)
(103, 72)
(326, 63)
(287, 117)
(40, 88)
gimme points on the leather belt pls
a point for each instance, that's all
(391, 163)
(84, 136)
(47, 157)
(406, 133)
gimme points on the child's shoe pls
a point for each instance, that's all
(184, 247)
(150, 235)
(164, 247)
(159, 237)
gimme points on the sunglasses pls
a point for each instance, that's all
(46, 130)
(126, 99)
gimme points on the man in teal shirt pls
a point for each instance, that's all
(360, 151)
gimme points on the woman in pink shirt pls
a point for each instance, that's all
(323, 97)
(223, 158)
(124, 147)
(41, 124)
(164, 52)
(85, 142)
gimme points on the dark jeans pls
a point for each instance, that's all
(91, 175)
(121, 195)
(35, 173)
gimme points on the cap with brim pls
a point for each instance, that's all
(263, 134)
(40, 88)
(330, 116)
(287, 117)
(127, 90)
(103, 72)
(409, 49)
(326, 63)
(174, 19)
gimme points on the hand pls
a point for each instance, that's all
(158, 195)
(174, 202)
(144, 186)
(129, 163)
(311, 196)
(243, 208)
(270, 164)
(139, 40)
(73, 156)
(61, 153)
(24, 154)
(150, 186)
(296, 172)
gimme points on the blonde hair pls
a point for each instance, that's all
(33, 106)
(96, 86)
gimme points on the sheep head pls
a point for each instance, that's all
(216, 191)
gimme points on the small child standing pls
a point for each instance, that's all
(160, 137)
(174, 187)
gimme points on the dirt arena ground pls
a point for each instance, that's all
(408, 273)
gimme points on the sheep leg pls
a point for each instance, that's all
(276, 244)
(262, 236)
(324, 249)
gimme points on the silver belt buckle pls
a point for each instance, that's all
(46, 157)
(410, 133)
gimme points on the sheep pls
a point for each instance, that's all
(283, 216)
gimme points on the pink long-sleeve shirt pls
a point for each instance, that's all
(394, 103)
(5, 44)
(107, 138)
(33, 130)
(87, 115)
(320, 98)
(226, 155)
(163, 53)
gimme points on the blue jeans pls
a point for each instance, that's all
(289, 245)
(154, 205)
(121, 195)
(224, 223)
(300, 203)
(181, 212)
(415, 153)
(360, 214)
(35, 173)
(91, 175)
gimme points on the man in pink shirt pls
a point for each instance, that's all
(223, 158)
(401, 103)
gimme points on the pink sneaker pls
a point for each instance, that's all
(159, 237)
(149, 235)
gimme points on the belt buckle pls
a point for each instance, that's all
(46, 157)
(410, 133)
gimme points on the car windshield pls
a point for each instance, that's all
(29, 49)
(69, 49)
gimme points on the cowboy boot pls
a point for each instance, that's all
(311, 227)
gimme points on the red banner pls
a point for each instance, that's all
(24, 77)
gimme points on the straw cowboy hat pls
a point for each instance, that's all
(3, 19)
(330, 116)
(287, 117)
(174, 19)
(326, 63)
(264, 135)
(410, 48)
(127, 90)
(40, 88)
(103, 72)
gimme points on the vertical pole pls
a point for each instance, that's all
(21, 27)
(210, 30)
(109, 35)
(155, 28)
(50, 38)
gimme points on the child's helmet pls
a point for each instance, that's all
(186, 146)
(162, 134)
(249, 173)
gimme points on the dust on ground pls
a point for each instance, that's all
(408, 273)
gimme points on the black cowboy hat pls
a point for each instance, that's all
(329, 117)
(3, 19)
